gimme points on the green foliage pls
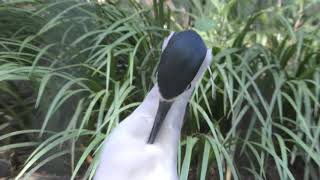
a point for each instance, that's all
(89, 65)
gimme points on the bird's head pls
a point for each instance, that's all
(183, 60)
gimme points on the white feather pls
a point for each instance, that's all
(126, 154)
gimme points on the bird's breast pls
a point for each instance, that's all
(130, 158)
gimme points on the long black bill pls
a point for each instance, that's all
(160, 116)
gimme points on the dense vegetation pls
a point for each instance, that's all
(71, 70)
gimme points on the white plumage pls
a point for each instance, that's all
(126, 155)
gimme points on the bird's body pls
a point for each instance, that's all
(144, 146)
(126, 147)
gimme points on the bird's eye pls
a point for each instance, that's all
(166, 41)
(189, 86)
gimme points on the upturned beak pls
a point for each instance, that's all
(162, 111)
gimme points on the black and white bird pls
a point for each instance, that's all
(144, 146)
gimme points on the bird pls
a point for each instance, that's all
(144, 146)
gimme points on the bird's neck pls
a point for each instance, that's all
(169, 134)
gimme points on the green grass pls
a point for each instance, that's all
(255, 112)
